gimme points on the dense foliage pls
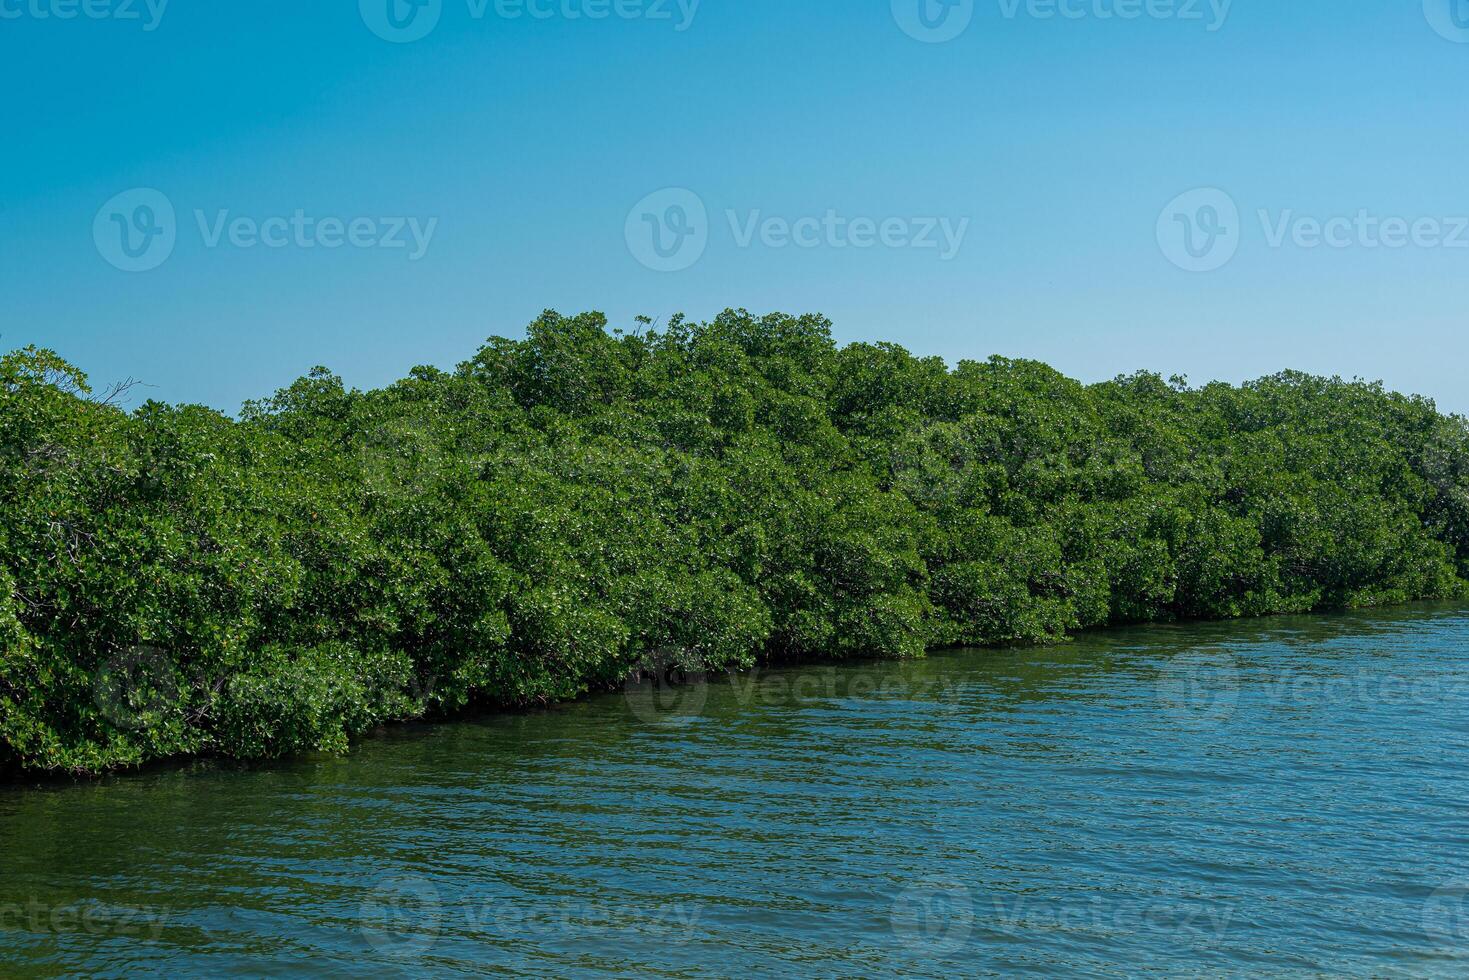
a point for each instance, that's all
(561, 512)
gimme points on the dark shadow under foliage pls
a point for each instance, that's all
(563, 511)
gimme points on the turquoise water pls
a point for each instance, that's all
(1285, 796)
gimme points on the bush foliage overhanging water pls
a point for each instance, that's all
(562, 512)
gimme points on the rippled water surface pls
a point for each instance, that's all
(1286, 796)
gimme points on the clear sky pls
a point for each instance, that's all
(1077, 181)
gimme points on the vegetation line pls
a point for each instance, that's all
(564, 511)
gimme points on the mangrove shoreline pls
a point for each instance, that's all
(565, 511)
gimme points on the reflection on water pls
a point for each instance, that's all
(1278, 796)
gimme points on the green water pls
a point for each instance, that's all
(1279, 797)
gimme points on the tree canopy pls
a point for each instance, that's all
(563, 511)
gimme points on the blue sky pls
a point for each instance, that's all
(1031, 186)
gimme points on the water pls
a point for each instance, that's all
(1285, 796)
